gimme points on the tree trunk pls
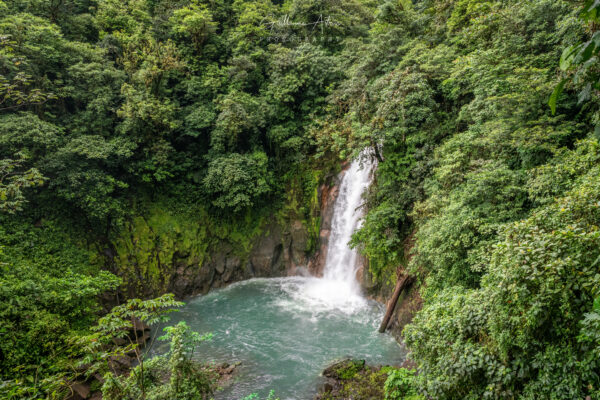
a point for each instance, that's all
(402, 282)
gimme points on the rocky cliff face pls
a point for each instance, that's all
(409, 301)
(408, 304)
(327, 195)
(277, 251)
(163, 251)
(277, 248)
(186, 255)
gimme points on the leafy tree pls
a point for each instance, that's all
(579, 61)
(99, 348)
(237, 181)
(172, 375)
(530, 309)
(117, 104)
(48, 294)
(400, 385)
(194, 22)
(12, 183)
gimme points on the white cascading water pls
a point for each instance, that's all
(341, 264)
(339, 288)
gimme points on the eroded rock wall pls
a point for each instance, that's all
(327, 195)
(276, 251)
(188, 254)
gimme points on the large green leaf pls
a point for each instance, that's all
(590, 10)
(555, 95)
(566, 59)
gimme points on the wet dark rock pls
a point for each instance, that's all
(327, 195)
(327, 387)
(226, 369)
(298, 243)
(232, 263)
(220, 268)
(120, 341)
(263, 256)
(121, 361)
(227, 275)
(278, 251)
(226, 373)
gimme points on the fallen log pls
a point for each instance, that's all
(400, 284)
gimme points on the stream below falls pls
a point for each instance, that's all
(285, 331)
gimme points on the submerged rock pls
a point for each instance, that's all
(226, 372)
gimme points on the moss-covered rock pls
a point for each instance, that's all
(353, 379)
(188, 252)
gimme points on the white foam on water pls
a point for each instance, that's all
(318, 296)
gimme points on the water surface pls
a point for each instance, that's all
(285, 331)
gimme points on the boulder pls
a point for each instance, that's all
(265, 254)
(220, 267)
(344, 369)
(352, 379)
(232, 264)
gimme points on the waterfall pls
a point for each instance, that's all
(339, 288)
(341, 263)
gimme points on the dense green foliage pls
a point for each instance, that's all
(48, 296)
(174, 375)
(115, 99)
(124, 123)
(254, 396)
(494, 193)
(400, 385)
(353, 379)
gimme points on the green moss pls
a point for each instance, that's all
(350, 369)
(149, 247)
(358, 381)
(302, 203)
